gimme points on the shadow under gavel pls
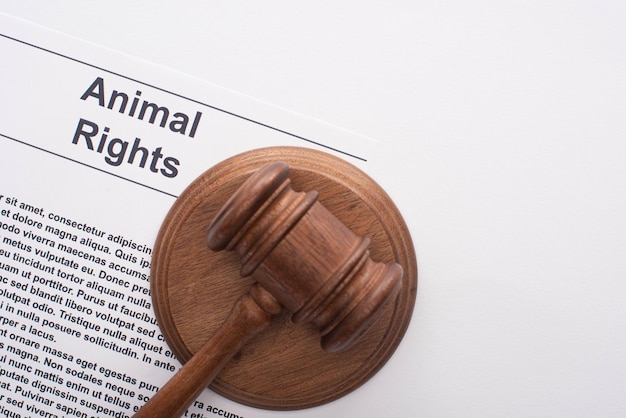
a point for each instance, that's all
(302, 259)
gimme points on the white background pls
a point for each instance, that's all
(504, 146)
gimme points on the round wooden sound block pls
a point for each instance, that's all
(194, 288)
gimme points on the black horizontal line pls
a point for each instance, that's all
(87, 165)
(187, 98)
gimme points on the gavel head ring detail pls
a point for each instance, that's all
(313, 265)
(296, 235)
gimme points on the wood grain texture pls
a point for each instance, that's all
(314, 265)
(251, 314)
(194, 288)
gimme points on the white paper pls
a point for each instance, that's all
(85, 182)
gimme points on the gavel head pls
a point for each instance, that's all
(316, 267)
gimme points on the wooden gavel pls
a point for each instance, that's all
(302, 259)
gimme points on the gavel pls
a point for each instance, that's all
(302, 260)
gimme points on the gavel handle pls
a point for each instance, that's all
(251, 314)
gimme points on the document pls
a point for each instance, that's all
(95, 147)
